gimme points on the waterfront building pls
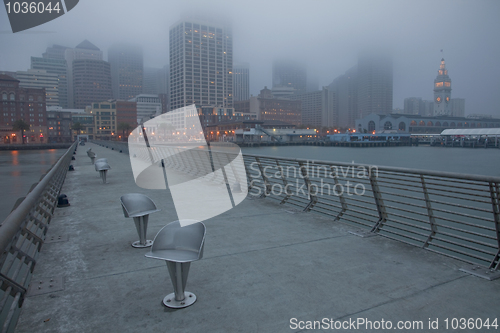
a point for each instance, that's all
(58, 67)
(91, 82)
(458, 107)
(148, 106)
(318, 108)
(126, 70)
(201, 64)
(40, 79)
(59, 126)
(23, 103)
(267, 107)
(241, 82)
(83, 51)
(345, 88)
(374, 84)
(87, 121)
(420, 124)
(262, 131)
(291, 74)
(126, 112)
(105, 122)
(59, 122)
(442, 92)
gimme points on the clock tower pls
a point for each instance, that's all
(442, 92)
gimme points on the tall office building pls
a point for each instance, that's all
(40, 79)
(201, 64)
(126, 70)
(91, 82)
(148, 106)
(374, 84)
(84, 50)
(458, 107)
(155, 80)
(414, 106)
(318, 108)
(55, 52)
(58, 67)
(442, 92)
(428, 107)
(291, 74)
(241, 82)
(345, 88)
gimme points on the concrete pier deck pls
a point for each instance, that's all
(262, 267)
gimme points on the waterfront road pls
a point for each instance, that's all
(263, 266)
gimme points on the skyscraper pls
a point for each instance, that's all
(84, 50)
(318, 108)
(201, 64)
(91, 82)
(458, 107)
(374, 84)
(55, 52)
(345, 88)
(155, 80)
(291, 74)
(126, 70)
(40, 79)
(414, 105)
(58, 67)
(241, 82)
(442, 92)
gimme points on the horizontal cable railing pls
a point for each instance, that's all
(22, 234)
(454, 214)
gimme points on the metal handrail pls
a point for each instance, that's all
(465, 206)
(409, 205)
(22, 234)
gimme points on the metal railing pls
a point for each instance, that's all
(454, 214)
(22, 234)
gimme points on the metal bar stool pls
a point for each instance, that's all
(179, 246)
(103, 168)
(139, 207)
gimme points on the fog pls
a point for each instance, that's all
(328, 35)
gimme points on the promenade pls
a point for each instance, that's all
(263, 265)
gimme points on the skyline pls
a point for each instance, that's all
(328, 37)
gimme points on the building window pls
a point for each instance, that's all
(4, 96)
(371, 126)
(12, 97)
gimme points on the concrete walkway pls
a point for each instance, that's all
(262, 267)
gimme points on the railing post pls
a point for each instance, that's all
(267, 186)
(382, 213)
(341, 196)
(313, 199)
(495, 202)
(430, 213)
(285, 183)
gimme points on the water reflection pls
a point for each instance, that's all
(19, 170)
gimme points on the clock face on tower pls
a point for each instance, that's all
(447, 99)
(438, 99)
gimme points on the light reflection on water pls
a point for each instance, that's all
(19, 170)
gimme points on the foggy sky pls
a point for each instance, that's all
(326, 34)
